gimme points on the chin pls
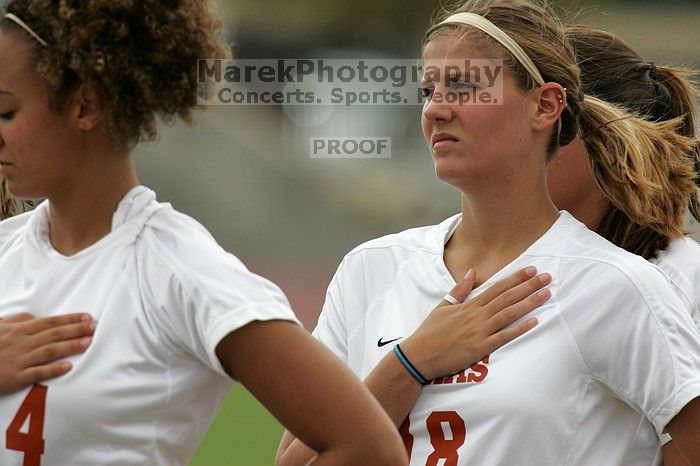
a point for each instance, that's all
(461, 179)
(450, 169)
(23, 192)
(451, 178)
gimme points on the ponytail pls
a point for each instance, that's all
(681, 103)
(8, 204)
(642, 167)
(614, 72)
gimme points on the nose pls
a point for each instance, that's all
(437, 111)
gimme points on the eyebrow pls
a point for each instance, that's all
(5, 92)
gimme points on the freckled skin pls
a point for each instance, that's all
(41, 145)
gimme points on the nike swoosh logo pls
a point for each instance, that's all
(381, 343)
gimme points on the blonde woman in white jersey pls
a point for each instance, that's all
(179, 318)
(615, 359)
(611, 70)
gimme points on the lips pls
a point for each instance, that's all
(442, 140)
(4, 166)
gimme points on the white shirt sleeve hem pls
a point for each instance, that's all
(232, 321)
(673, 405)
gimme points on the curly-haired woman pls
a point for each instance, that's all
(81, 83)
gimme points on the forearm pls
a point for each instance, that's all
(394, 388)
(391, 385)
(321, 401)
(293, 452)
(298, 454)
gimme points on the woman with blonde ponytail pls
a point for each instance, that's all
(646, 211)
(640, 166)
(614, 361)
(639, 205)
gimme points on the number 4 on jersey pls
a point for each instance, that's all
(32, 442)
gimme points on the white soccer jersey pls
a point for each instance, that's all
(164, 293)
(681, 263)
(614, 358)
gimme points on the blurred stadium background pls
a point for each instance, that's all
(246, 174)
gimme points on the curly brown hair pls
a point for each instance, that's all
(139, 56)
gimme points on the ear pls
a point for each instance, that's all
(87, 108)
(551, 101)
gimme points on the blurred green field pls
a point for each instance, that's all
(244, 434)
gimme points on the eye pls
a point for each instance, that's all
(462, 85)
(427, 91)
(7, 115)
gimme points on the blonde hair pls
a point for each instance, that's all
(614, 72)
(642, 168)
(8, 204)
(633, 158)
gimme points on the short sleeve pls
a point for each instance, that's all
(331, 329)
(198, 293)
(634, 336)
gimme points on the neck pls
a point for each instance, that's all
(498, 224)
(591, 209)
(81, 213)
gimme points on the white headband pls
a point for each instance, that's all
(24, 26)
(504, 39)
(471, 19)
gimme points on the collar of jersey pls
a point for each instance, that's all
(130, 209)
(444, 231)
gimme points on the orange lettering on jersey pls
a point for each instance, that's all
(443, 380)
(462, 376)
(479, 374)
(31, 442)
(474, 374)
(445, 447)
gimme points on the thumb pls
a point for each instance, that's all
(462, 289)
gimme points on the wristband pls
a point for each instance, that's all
(410, 367)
